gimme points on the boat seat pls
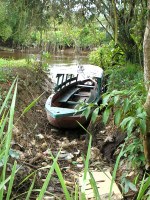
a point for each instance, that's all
(87, 86)
(68, 94)
(72, 102)
(81, 95)
(92, 97)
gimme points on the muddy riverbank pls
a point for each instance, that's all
(33, 137)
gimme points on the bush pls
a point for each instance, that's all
(107, 56)
(125, 77)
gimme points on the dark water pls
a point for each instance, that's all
(13, 54)
(67, 57)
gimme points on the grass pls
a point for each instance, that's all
(13, 63)
(6, 139)
(7, 65)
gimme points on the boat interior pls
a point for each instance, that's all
(79, 92)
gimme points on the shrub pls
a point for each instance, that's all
(107, 56)
(125, 77)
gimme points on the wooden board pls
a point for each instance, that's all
(103, 181)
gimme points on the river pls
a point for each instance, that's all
(67, 57)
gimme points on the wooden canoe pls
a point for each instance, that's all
(61, 106)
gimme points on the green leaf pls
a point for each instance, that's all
(31, 105)
(139, 110)
(132, 186)
(126, 187)
(8, 138)
(115, 170)
(144, 186)
(61, 179)
(95, 114)
(11, 181)
(94, 187)
(106, 99)
(116, 99)
(86, 163)
(130, 125)
(106, 115)
(1, 162)
(117, 117)
(125, 121)
(30, 189)
(126, 106)
(142, 115)
(143, 126)
(48, 178)
(7, 97)
(86, 112)
(148, 194)
(76, 192)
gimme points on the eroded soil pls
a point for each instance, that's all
(33, 137)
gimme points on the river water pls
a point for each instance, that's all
(57, 62)
(67, 57)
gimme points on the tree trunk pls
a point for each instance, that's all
(115, 21)
(146, 51)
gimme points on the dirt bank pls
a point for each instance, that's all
(33, 136)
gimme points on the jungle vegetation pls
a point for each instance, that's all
(79, 24)
(117, 35)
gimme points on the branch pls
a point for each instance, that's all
(109, 22)
(105, 28)
(131, 11)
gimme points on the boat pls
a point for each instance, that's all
(70, 92)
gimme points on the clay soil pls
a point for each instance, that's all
(33, 137)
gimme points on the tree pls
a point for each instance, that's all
(123, 20)
(146, 51)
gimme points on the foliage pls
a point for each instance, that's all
(107, 56)
(144, 186)
(134, 152)
(125, 77)
(127, 184)
(89, 24)
(129, 114)
(68, 35)
(129, 106)
(6, 130)
(126, 107)
(5, 30)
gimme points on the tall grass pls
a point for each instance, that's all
(7, 122)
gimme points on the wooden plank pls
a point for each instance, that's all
(103, 181)
(72, 102)
(86, 86)
(82, 95)
(67, 95)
